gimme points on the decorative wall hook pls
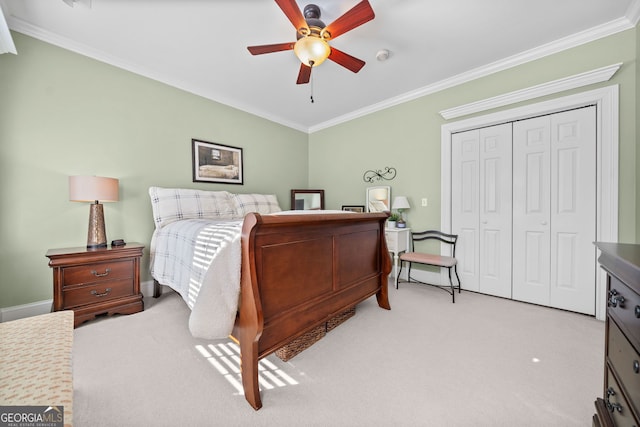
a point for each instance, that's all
(387, 174)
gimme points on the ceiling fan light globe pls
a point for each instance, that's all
(311, 50)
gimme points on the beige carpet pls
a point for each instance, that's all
(482, 361)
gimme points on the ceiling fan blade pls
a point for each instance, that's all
(347, 61)
(304, 75)
(269, 48)
(291, 9)
(354, 17)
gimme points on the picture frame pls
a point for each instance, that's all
(219, 163)
(353, 208)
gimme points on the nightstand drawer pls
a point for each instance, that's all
(625, 362)
(91, 273)
(97, 292)
(392, 239)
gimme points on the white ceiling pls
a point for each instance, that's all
(200, 46)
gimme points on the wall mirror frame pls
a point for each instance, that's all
(307, 200)
(378, 198)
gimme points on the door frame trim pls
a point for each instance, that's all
(607, 148)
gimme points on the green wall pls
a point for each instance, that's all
(64, 114)
(407, 136)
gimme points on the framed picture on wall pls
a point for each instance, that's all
(216, 162)
(353, 208)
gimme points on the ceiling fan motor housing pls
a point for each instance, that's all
(312, 17)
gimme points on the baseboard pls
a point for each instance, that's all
(43, 307)
(25, 310)
(421, 275)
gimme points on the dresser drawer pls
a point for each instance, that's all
(617, 404)
(100, 271)
(624, 306)
(626, 363)
(97, 292)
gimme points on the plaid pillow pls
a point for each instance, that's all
(260, 203)
(175, 204)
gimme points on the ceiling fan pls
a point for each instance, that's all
(312, 46)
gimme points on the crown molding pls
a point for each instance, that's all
(572, 82)
(629, 21)
(574, 40)
(633, 12)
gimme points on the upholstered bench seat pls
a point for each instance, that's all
(35, 362)
(438, 260)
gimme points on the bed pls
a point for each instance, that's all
(262, 276)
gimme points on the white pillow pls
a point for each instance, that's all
(260, 203)
(175, 204)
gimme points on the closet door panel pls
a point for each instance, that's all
(495, 210)
(464, 205)
(573, 207)
(531, 210)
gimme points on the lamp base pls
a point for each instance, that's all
(96, 238)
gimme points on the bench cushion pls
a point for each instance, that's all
(422, 258)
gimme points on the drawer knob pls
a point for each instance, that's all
(612, 406)
(102, 294)
(636, 366)
(106, 272)
(637, 311)
(615, 298)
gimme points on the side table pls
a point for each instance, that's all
(398, 240)
(94, 282)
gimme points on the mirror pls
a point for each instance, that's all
(305, 200)
(379, 199)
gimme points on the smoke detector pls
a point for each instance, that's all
(382, 55)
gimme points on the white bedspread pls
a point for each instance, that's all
(200, 259)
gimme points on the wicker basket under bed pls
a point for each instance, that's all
(306, 340)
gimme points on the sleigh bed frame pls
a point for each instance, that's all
(298, 271)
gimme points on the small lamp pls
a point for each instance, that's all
(94, 189)
(400, 203)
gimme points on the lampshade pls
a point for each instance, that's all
(92, 189)
(400, 202)
(312, 50)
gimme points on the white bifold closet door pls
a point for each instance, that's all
(481, 203)
(554, 210)
(523, 204)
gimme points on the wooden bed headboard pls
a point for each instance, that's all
(299, 271)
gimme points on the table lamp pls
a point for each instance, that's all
(94, 189)
(400, 203)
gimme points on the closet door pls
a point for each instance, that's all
(555, 210)
(481, 208)
(495, 210)
(532, 210)
(465, 190)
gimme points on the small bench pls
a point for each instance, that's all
(435, 260)
(36, 364)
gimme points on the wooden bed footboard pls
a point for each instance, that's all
(299, 271)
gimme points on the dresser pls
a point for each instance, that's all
(94, 282)
(619, 404)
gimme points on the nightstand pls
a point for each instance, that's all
(94, 282)
(398, 240)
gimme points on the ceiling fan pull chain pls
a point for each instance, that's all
(311, 82)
